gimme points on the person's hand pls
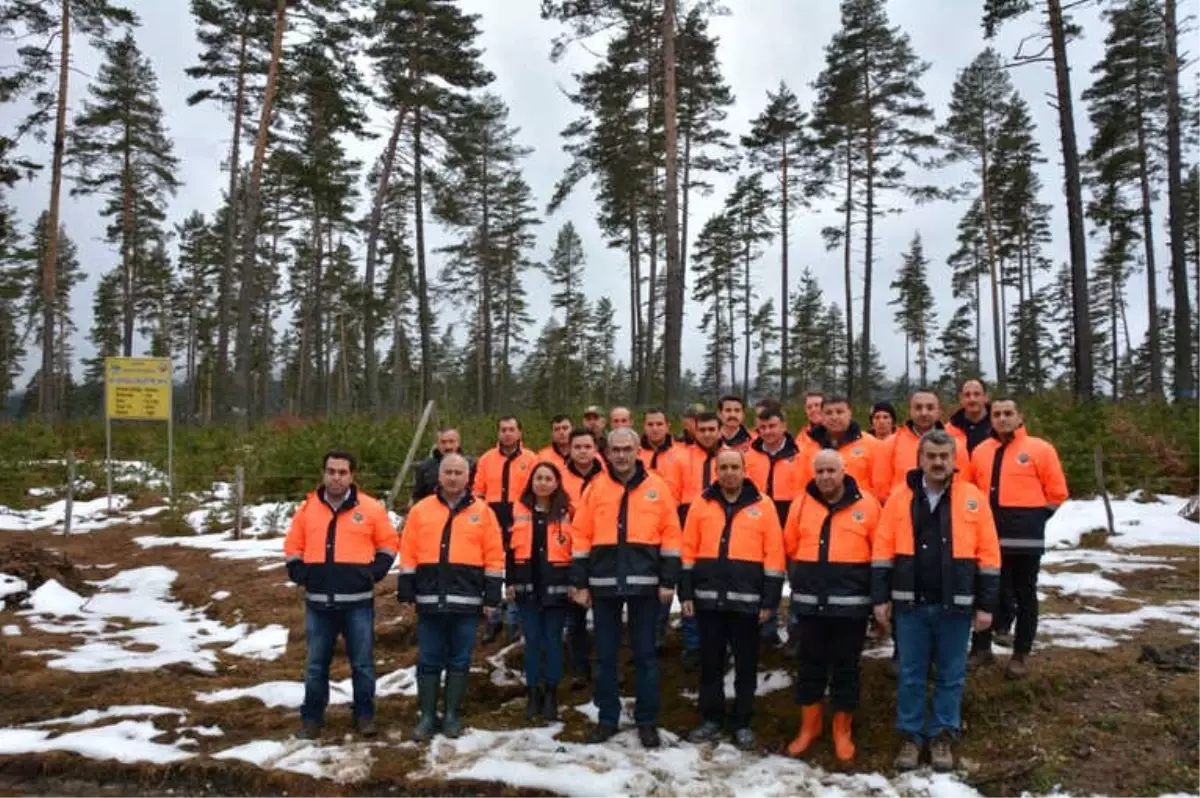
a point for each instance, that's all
(688, 608)
(510, 593)
(983, 621)
(763, 615)
(666, 594)
(583, 597)
(883, 616)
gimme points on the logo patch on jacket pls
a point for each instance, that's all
(856, 451)
(474, 519)
(754, 512)
(972, 505)
(358, 517)
(652, 495)
(562, 537)
(858, 515)
(524, 466)
(1023, 458)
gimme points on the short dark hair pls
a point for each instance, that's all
(706, 416)
(979, 380)
(837, 400)
(340, 454)
(513, 419)
(768, 402)
(768, 413)
(1007, 398)
(817, 394)
(654, 411)
(729, 397)
(579, 432)
(929, 391)
(558, 419)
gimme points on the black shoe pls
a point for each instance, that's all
(310, 731)
(707, 732)
(489, 634)
(745, 740)
(648, 734)
(550, 703)
(533, 707)
(365, 727)
(691, 660)
(601, 733)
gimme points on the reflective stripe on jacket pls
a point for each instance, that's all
(970, 573)
(553, 568)
(1023, 479)
(451, 559)
(829, 551)
(338, 556)
(733, 552)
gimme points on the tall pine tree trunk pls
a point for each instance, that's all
(784, 334)
(746, 312)
(424, 314)
(1082, 355)
(993, 267)
(673, 323)
(127, 250)
(228, 248)
(485, 262)
(637, 345)
(1156, 359)
(847, 223)
(1182, 317)
(47, 403)
(369, 319)
(869, 243)
(248, 294)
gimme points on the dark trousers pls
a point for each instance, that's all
(357, 628)
(578, 642)
(445, 641)
(720, 631)
(1018, 601)
(543, 627)
(643, 619)
(830, 650)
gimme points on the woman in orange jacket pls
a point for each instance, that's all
(539, 579)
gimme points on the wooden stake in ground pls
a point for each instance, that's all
(1098, 465)
(239, 501)
(70, 508)
(412, 450)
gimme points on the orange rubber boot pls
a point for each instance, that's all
(843, 743)
(810, 729)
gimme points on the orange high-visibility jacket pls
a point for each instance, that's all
(451, 558)
(829, 551)
(896, 456)
(550, 571)
(858, 451)
(1024, 482)
(669, 461)
(701, 471)
(500, 480)
(338, 556)
(551, 455)
(777, 475)
(733, 552)
(626, 536)
(739, 440)
(575, 482)
(970, 549)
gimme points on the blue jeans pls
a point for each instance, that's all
(508, 615)
(445, 641)
(930, 633)
(688, 628)
(643, 619)
(543, 629)
(321, 628)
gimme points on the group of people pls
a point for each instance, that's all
(931, 530)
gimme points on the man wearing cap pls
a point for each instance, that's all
(593, 422)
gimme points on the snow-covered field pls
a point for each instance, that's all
(133, 623)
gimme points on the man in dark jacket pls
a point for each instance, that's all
(425, 478)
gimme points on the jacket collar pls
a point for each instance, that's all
(789, 448)
(850, 494)
(960, 420)
(666, 444)
(821, 436)
(516, 452)
(748, 496)
(636, 478)
(1019, 434)
(738, 438)
(598, 468)
(467, 500)
(912, 429)
(351, 498)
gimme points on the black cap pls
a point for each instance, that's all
(885, 407)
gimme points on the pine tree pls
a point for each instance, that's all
(599, 348)
(977, 110)
(69, 274)
(199, 265)
(1191, 226)
(765, 334)
(869, 97)
(1029, 370)
(1115, 222)
(565, 270)
(1127, 106)
(14, 280)
(957, 348)
(516, 218)
(809, 339)
(119, 149)
(1182, 318)
(105, 334)
(48, 20)
(968, 266)
(779, 143)
(235, 36)
(831, 357)
(748, 208)
(914, 307)
(716, 266)
(1058, 31)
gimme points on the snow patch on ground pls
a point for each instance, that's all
(339, 763)
(1153, 523)
(1105, 629)
(86, 516)
(1068, 583)
(401, 682)
(10, 630)
(10, 585)
(91, 716)
(222, 545)
(132, 623)
(125, 741)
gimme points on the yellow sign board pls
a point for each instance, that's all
(137, 388)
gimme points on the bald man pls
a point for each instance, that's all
(619, 418)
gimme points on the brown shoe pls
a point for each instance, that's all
(941, 754)
(811, 720)
(909, 757)
(1017, 667)
(980, 658)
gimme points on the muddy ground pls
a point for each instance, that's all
(1085, 721)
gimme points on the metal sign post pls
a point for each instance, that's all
(138, 389)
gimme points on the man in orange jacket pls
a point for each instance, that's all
(828, 538)
(734, 434)
(451, 567)
(841, 433)
(585, 466)
(896, 456)
(559, 450)
(500, 479)
(935, 569)
(972, 422)
(625, 552)
(661, 454)
(340, 544)
(732, 579)
(1025, 484)
(701, 472)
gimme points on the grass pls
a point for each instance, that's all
(1090, 721)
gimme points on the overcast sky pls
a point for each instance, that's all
(761, 43)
